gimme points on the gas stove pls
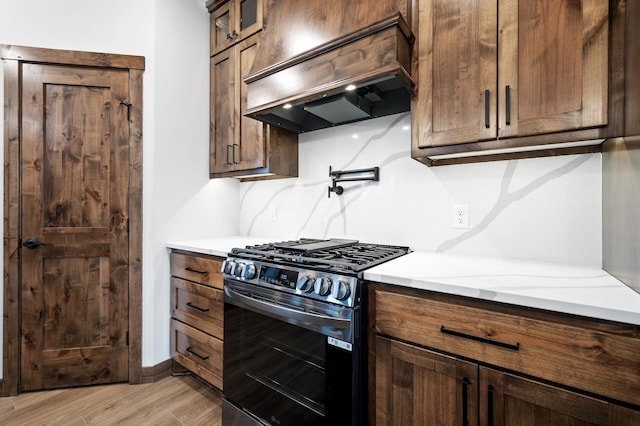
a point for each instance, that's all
(325, 270)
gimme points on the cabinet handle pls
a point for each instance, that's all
(229, 36)
(507, 94)
(191, 351)
(197, 271)
(465, 408)
(228, 162)
(191, 305)
(515, 347)
(487, 96)
(234, 153)
(234, 34)
(490, 405)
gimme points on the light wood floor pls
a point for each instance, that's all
(180, 400)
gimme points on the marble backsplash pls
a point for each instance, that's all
(547, 209)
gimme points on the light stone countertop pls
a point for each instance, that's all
(579, 290)
(216, 246)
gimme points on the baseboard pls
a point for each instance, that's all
(156, 372)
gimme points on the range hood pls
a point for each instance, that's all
(322, 63)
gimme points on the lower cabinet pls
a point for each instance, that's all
(437, 362)
(416, 386)
(197, 312)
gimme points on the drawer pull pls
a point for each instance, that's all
(197, 271)
(465, 401)
(515, 347)
(191, 351)
(198, 308)
(490, 405)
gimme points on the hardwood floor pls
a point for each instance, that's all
(180, 400)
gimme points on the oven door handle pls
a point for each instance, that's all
(284, 313)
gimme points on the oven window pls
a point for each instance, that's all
(278, 371)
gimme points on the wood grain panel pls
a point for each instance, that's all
(553, 350)
(198, 351)
(554, 57)
(11, 237)
(420, 387)
(199, 306)
(71, 57)
(201, 269)
(76, 157)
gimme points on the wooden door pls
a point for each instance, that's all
(75, 177)
(457, 72)
(553, 61)
(415, 386)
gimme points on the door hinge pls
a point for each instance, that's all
(127, 338)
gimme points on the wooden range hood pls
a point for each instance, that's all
(309, 52)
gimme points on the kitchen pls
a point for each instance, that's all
(547, 209)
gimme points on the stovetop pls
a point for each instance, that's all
(338, 256)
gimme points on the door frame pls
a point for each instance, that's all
(13, 57)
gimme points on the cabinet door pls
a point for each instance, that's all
(222, 22)
(456, 72)
(553, 62)
(222, 110)
(415, 386)
(250, 149)
(233, 22)
(510, 400)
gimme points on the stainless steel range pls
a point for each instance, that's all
(295, 332)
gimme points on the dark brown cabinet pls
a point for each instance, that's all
(240, 146)
(447, 360)
(533, 76)
(197, 313)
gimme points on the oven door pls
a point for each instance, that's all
(289, 360)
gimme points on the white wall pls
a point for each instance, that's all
(546, 209)
(179, 201)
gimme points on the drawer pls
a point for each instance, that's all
(197, 351)
(201, 269)
(197, 305)
(595, 356)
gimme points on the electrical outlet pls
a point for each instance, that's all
(273, 213)
(460, 216)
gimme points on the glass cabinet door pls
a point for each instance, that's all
(234, 21)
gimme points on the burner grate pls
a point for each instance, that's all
(328, 255)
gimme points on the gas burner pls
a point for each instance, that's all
(333, 255)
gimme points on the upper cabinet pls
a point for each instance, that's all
(535, 76)
(240, 146)
(232, 21)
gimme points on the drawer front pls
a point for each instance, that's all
(200, 269)
(197, 351)
(605, 363)
(197, 305)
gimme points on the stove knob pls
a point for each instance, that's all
(322, 286)
(238, 271)
(342, 291)
(250, 271)
(229, 267)
(305, 284)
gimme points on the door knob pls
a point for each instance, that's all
(31, 243)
